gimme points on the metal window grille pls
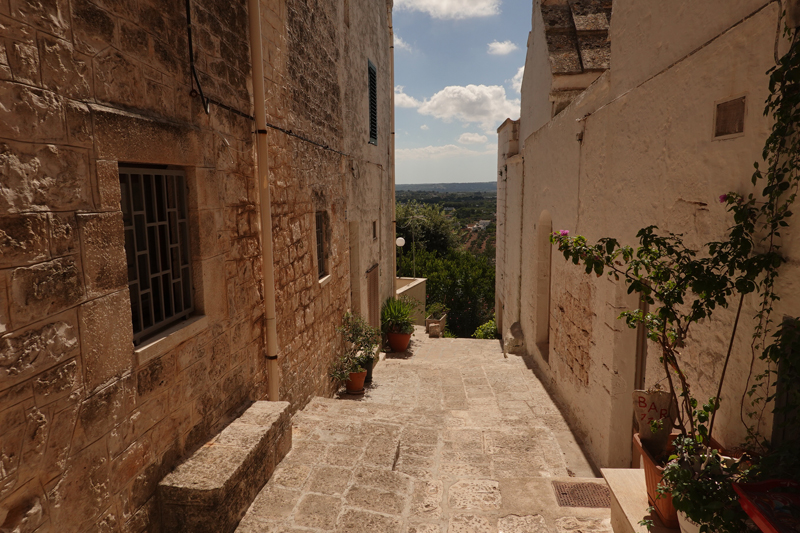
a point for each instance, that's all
(373, 104)
(730, 117)
(157, 248)
(322, 244)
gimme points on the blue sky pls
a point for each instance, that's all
(455, 68)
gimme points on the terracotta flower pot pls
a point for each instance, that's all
(399, 341)
(355, 385)
(652, 476)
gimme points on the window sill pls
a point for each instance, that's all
(324, 280)
(170, 338)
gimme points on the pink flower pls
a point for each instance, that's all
(564, 232)
(723, 198)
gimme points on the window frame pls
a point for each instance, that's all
(322, 243)
(372, 82)
(167, 212)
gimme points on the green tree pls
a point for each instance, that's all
(427, 225)
(459, 279)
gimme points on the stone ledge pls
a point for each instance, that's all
(211, 490)
(629, 501)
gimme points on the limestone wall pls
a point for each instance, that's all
(89, 422)
(623, 156)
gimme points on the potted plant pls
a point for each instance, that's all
(654, 412)
(397, 323)
(436, 314)
(353, 366)
(361, 340)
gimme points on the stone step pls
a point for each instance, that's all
(212, 489)
(629, 501)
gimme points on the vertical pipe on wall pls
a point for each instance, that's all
(389, 5)
(262, 176)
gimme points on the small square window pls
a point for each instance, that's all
(373, 104)
(323, 243)
(729, 119)
(153, 203)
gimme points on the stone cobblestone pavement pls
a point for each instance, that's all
(452, 437)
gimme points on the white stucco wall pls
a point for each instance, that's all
(647, 156)
(536, 105)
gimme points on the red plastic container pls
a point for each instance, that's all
(770, 505)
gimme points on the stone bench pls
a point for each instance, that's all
(212, 490)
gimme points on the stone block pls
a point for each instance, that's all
(5, 317)
(30, 114)
(37, 348)
(98, 414)
(79, 124)
(94, 29)
(58, 444)
(44, 289)
(51, 16)
(118, 80)
(146, 140)
(107, 338)
(155, 377)
(23, 240)
(108, 185)
(64, 70)
(103, 251)
(129, 463)
(23, 58)
(41, 177)
(63, 233)
(57, 382)
(80, 495)
(211, 491)
(25, 509)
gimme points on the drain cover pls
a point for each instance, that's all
(570, 494)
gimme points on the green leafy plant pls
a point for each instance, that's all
(684, 286)
(487, 331)
(396, 315)
(360, 341)
(436, 310)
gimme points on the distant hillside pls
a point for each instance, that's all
(486, 186)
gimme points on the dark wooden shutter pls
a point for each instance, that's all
(373, 104)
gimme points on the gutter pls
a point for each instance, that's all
(265, 200)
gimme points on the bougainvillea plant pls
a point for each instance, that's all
(683, 286)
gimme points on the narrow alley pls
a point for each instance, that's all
(453, 438)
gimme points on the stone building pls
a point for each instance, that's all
(132, 294)
(623, 126)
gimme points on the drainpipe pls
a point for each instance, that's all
(262, 176)
(389, 6)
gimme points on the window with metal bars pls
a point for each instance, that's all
(157, 248)
(373, 104)
(321, 223)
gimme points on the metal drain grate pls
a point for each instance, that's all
(570, 494)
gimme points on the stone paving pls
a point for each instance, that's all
(452, 437)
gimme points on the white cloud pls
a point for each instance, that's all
(500, 49)
(401, 99)
(516, 81)
(451, 9)
(437, 152)
(472, 138)
(400, 44)
(481, 104)
(424, 127)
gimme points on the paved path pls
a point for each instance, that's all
(451, 438)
